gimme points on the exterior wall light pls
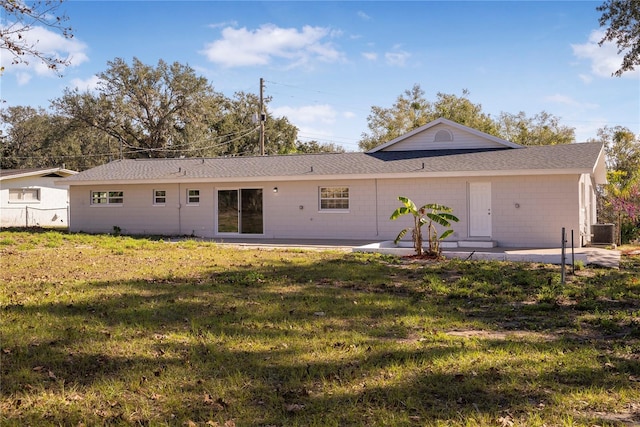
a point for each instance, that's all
(275, 189)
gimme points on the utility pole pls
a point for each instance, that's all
(262, 117)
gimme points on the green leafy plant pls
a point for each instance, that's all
(430, 215)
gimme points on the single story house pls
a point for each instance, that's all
(33, 197)
(504, 194)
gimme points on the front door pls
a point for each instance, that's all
(240, 211)
(479, 209)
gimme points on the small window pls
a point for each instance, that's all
(107, 197)
(25, 195)
(193, 196)
(159, 197)
(334, 198)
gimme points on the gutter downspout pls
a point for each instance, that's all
(376, 188)
(179, 210)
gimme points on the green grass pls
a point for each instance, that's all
(114, 330)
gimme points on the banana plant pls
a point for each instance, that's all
(430, 215)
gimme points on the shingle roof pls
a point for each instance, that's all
(552, 159)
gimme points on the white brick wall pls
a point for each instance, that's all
(546, 204)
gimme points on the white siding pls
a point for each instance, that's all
(526, 211)
(587, 207)
(49, 211)
(426, 141)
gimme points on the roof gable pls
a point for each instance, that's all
(6, 174)
(443, 134)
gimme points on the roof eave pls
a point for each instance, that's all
(39, 172)
(418, 173)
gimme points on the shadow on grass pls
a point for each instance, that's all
(337, 342)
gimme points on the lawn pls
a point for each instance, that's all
(114, 330)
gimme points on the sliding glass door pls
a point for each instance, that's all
(240, 211)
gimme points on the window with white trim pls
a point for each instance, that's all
(193, 197)
(107, 197)
(159, 197)
(24, 195)
(334, 198)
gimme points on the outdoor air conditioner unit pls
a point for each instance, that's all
(603, 234)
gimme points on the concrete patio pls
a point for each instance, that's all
(587, 255)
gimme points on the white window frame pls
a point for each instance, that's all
(110, 197)
(191, 199)
(16, 195)
(157, 197)
(333, 197)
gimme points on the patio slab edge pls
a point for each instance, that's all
(597, 256)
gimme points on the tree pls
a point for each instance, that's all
(238, 128)
(168, 111)
(27, 129)
(312, 147)
(622, 19)
(411, 110)
(20, 18)
(152, 112)
(430, 215)
(37, 138)
(541, 129)
(619, 200)
(461, 110)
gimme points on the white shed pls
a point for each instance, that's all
(32, 198)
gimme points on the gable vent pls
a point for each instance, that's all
(443, 135)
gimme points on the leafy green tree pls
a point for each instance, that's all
(619, 200)
(622, 19)
(430, 215)
(160, 111)
(461, 110)
(541, 129)
(19, 17)
(412, 110)
(37, 138)
(312, 147)
(238, 128)
(27, 134)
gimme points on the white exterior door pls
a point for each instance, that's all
(479, 209)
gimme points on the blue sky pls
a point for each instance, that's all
(326, 63)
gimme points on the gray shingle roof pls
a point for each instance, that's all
(554, 159)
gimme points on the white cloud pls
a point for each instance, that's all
(371, 56)
(363, 16)
(308, 114)
(223, 24)
(567, 100)
(89, 84)
(50, 44)
(23, 78)
(348, 115)
(242, 47)
(605, 59)
(586, 78)
(397, 59)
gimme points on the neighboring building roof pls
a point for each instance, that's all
(22, 173)
(532, 160)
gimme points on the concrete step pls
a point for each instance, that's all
(477, 244)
